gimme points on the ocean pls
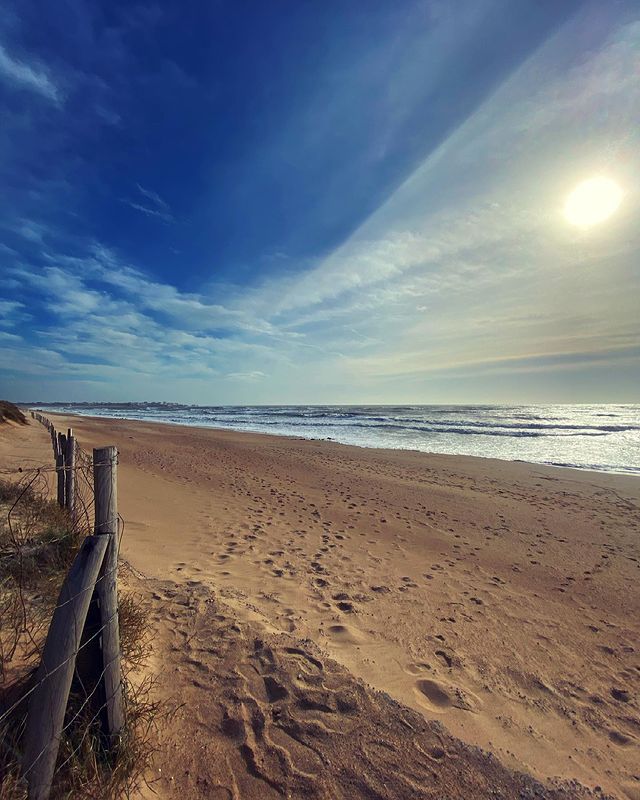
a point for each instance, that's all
(596, 437)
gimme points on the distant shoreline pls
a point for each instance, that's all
(332, 441)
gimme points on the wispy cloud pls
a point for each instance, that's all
(31, 230)
(153, 196)
(150, 212)
(11, 313)
(195, 311)
(112, 323)
(24, 76)
(254, 375)
(155, 207)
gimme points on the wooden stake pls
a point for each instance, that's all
(105, 464)
(60, 474)
(53, 679)
(70, 475)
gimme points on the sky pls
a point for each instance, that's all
(318, 202)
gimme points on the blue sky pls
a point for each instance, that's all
(252, 202)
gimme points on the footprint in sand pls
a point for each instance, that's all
(436, 697)
(621, 695)
(431, 694)
(417, 668)
(274, 689)
(446, 659)
(620, 738)
(344, 634)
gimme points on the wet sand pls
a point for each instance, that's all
(499, 599)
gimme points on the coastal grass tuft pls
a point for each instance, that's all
(9, 412)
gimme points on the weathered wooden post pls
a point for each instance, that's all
(70, 474)
(48, 701)
(61, 451)
(105, 465)
(60, 474)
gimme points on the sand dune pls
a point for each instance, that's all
(498, 599)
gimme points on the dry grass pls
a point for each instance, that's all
(135, 642)
(11, 413)
(87, 770)
(37, 545)
(12, 788)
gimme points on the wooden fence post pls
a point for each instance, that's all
(62, 452)
(53, 679)
(60, 474)
(70, 474)
(105, 461)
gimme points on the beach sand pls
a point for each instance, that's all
(499, 599)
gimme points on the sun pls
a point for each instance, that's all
(592, 201)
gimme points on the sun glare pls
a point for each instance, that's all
(592, 201)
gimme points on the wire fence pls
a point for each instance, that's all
(61, 688)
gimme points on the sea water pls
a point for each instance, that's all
(598, 437)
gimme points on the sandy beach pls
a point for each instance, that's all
(498, 599)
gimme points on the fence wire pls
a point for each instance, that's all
(38, 543)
